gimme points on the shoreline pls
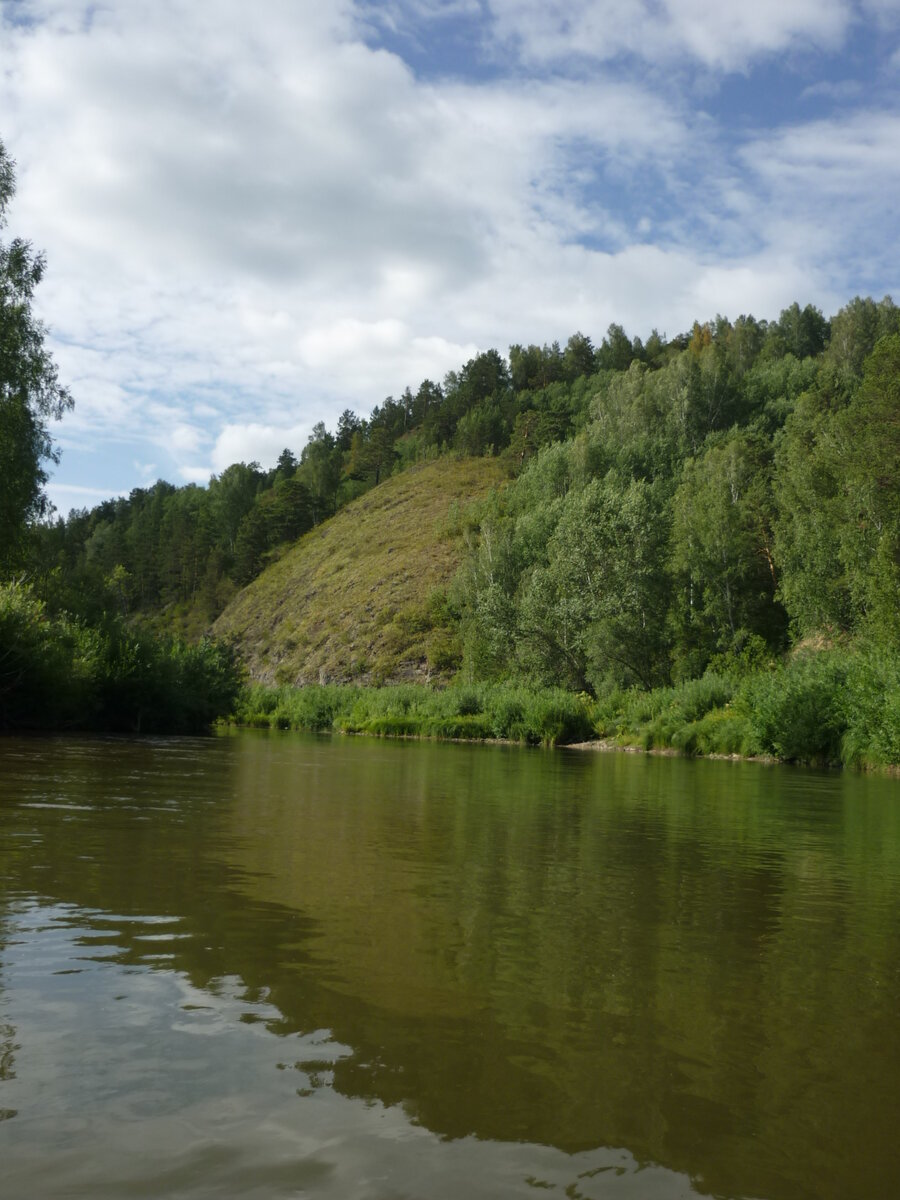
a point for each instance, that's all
(595, 746)
(609, 746)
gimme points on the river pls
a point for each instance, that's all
(270, 965)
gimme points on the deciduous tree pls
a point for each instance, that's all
(30, 391)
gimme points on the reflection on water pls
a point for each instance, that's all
(268, 966)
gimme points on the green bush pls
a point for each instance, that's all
(873, 709)
(798, 712)
(57, 673)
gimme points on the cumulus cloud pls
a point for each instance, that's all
(263, 214)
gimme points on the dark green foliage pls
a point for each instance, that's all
(797, 712)
(59, 674)
(657, 718)
(837, 487)
(30, 392)
(800, 332)
(829, 707)
(723, 552)
(872, 708)
(835, 706)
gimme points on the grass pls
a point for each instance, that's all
(478, 712)
(362, 598)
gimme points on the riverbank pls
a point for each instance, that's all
(837, 707)
(470, 712)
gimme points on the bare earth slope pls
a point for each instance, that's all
(358, 598)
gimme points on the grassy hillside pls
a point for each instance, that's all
(361, 597)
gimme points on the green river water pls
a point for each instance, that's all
(269, 965)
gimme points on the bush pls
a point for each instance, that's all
(873, 709)
(827, 707)
(798, 712)
(57, 673)
(658, 718)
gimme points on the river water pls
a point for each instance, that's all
(267, 965)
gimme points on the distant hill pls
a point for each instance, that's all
(361, 597)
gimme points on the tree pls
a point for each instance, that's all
(535, 367)
(320, 470)
(616, 351)
(233, 494)
(372, 453)
(30, 392)
(593, 615)
(805, 331)
(348, 424)
(287, 464)
(250, 545)
(578, 357)
(854, 332)
(722, 550)
(867, 439)
(288, 510)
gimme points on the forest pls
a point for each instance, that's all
(713, 505)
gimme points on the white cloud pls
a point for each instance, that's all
(66, 496)
(256, 443)
(253, 215)
(845, 157)
(837, 90)
(724, 37)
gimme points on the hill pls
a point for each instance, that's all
(362, 597)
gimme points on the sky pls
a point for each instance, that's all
(256, 216)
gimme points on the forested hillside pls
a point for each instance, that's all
(713, 508)
(713, 499)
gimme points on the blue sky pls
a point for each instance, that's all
(256, 216)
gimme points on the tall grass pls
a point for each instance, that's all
(691, 717)
(546, 716)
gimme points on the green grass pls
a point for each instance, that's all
(362, 598)
(477, 712)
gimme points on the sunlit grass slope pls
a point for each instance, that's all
(361, 597)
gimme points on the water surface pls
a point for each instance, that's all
(272, 966)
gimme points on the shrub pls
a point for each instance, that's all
(797, 712)
(57, 673)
